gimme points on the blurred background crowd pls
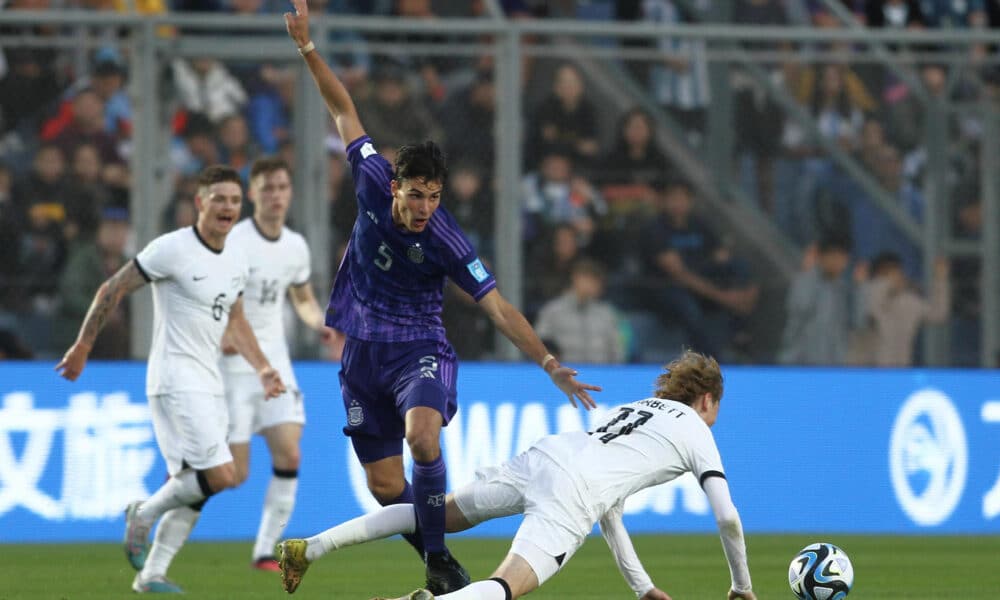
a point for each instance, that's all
(624, 260)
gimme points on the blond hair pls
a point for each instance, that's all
(689, 377)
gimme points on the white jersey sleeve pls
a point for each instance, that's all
(731, 532)
(157, 259)
(620, 543)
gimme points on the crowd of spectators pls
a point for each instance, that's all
(622, 263)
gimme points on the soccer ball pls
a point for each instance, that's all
(821, 572)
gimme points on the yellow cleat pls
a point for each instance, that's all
(293, 563)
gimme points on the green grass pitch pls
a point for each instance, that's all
(688, 567)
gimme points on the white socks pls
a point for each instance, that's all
(171, 533)
(479, 590)
(278, 504)
(384, 522)
(180, 490)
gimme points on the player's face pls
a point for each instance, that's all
(219, 207)
(414, 201)
(271, 194)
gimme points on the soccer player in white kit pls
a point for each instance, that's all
(197, 282)
(279, 266)
(567, 482)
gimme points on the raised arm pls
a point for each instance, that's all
(512, 324)
(338, 101)
(128, 279)
(731, 532)
(241, 336)
(620, 543)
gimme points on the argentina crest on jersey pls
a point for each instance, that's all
(355, 414)
(415, 253)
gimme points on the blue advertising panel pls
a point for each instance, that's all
(841, 451)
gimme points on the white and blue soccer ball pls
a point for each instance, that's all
(821, 572)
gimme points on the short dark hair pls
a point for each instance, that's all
(217, 174)
(588, 266)
(421, 161)
(834, 243)
(886, 260)
(269, 164)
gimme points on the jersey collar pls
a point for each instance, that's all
(194, 228)
(261, 232)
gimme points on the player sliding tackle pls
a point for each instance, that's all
(566, 482)
(398, 370)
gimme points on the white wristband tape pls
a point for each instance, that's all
(546, 359)
(307, 48)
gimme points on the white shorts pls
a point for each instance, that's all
(556, 520)
(190, 429)
(250, 412)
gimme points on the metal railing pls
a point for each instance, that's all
(263, 38)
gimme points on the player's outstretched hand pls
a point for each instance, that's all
(747, 595)
(564, 378)
(297, 23)
(271, 380)
(73, 361)
(655, 594)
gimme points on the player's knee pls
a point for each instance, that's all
(221, 477)
(385, 487)
(288, 459)
(240, 475)
(424, 444)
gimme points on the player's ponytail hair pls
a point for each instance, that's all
(421, 161)
(689, 377)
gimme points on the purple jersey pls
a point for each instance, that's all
(390, 284)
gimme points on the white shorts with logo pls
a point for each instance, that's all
(190, 429)
(250, 412)
(556, 520)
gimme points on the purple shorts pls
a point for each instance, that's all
(381, 381)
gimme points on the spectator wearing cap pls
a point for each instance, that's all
(91, 262)
(585, 328)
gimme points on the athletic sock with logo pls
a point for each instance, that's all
(429, 481)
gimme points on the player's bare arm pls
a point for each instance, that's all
(307, 308)
(241, 336)
(516, 328)
(335, 95)
(106, 300)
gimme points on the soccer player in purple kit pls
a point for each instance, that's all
(398, 371)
